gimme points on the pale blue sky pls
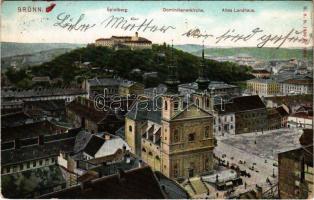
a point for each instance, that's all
(277, 17)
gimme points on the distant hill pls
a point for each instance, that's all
(13, 49)
(261, 53)
(190, 48)
(124, 61)
(32, 59)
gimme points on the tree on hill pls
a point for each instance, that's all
(124, 61)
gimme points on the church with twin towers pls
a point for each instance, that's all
(171, 135)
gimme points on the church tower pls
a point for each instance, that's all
(202, 97)
(187, 141)
(172, 102)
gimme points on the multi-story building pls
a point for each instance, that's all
(43, 94)
(155, 91)
(176, 139)
(295, 170)
(214, 88)
(132, 42)
(297, 86)
(250, 114)
(112, 86)
(96, 117)
(263, 87)
(283, 111)
(224, 122)
(274, 119)
(261, 73)
(303, 119)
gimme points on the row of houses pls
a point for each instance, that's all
(271, 87)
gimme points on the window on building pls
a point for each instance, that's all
(219, 128)
(47, 161)
(166, 105)
(175, 170)
(206, 133)
(14, 168)
(53, 160)
(21, 166)
(225, 118)
(176, 105)
(130, 128)
(206, 164)
(40, 162)
(191, 137)
(197, 102)
(34, 163)
(231, 126)
(176, 136)
(231, 118)
(207, 102)
(28, 164)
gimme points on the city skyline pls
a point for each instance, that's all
(275, 18)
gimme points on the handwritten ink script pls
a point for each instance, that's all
(262, 38)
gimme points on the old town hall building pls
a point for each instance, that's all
(173, 136)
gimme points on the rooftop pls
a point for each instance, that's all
(41, 92)
(28, 130)
(140, 183)
(242, 103)
(146, 110)
(51, 147)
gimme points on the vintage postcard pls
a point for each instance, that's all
(157, 99)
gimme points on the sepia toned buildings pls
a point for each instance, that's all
(131, 42)
(173, 137)
(295, 169)
(263, 87)
(112, 86)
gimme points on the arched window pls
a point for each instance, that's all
(176, 105)
(175, 170)
(207, 102)
(206, 133)
(176, 135)
(166, 105)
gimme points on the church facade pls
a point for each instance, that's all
(173, 136)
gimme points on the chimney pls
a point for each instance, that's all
(107, 137)
(17, 143)
(127, 158)
(40, 140)
(140, 164)
(124, 149)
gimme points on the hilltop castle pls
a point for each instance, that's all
(132, 42)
